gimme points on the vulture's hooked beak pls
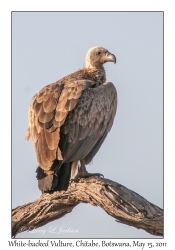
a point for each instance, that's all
(110, 58)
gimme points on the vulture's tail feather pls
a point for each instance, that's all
(64, 176)
(54, 182)
(46, 183)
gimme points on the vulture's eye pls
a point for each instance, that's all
(99, 52)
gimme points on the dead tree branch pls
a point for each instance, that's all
(118, 201)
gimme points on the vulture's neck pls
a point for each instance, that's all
(94, 67)
(97, 74)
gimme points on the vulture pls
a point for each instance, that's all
(70, 119)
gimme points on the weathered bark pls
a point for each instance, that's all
(118, 201)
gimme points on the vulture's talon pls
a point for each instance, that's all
(87, 175)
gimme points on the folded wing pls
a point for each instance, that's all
(87, 125)
(47, 113)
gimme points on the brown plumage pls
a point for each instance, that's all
(69, 120)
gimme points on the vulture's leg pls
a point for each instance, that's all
(74, 169)
(82, 172)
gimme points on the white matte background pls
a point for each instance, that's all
(47, 46)
(5, 97)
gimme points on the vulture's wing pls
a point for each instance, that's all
(87, 125)
(47, 113)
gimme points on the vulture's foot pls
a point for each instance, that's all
(83, 173)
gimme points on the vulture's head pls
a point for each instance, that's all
(97, 56)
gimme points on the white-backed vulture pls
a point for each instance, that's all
(70, 119)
